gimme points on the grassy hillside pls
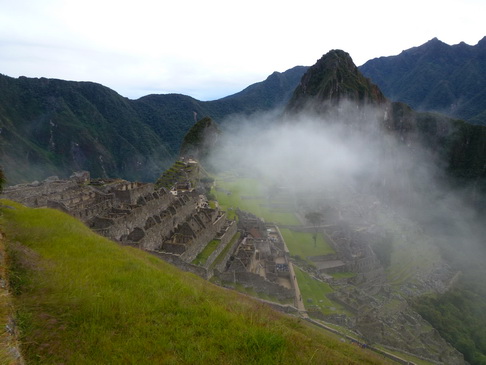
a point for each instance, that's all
(82, 299)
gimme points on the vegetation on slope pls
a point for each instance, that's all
(436, 77)
(54, 127)
(333, 78)
(81, 298)
(200, 139)
(459, 315)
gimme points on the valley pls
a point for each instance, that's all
(330, 203)
(341, 278)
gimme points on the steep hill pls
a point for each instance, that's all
(436, 77)
(332, 79)
(460, 145)
(54, 127)
(274, 92)
(200, 139)
(423, 160)
(80, 298)
(51, 127)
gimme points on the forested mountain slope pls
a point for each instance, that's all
(436, 77)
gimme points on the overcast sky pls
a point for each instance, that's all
(209, 49)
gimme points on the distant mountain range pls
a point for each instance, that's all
(461, 146)
(436, 77)
(53, 127)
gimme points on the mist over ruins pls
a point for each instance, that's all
(339, 208)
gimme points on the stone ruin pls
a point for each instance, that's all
(179, 224)
(261, 260)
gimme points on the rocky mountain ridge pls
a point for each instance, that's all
(436, 77)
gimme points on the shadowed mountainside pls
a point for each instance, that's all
(53, 127)
(436, 77)
(332, 79)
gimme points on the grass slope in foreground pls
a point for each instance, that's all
(82, 299)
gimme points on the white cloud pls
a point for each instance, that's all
(213, 48)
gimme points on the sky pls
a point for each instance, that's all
(211, 49)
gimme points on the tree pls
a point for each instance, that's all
(314, 218)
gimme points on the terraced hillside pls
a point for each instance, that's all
(80, 298)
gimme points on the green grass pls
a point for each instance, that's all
(314, 293)
(343, 275)
(249, 195)
(202, 257)
(83, 299)
(223, 253)
(7, 340)
(302, 244)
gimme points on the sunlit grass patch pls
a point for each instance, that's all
(343, 275)
(302, 244)
(314, 294)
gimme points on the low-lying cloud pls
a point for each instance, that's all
(349, 152)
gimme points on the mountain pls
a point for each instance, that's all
(200, 139)
(333, 78)
(436, 77)
(54, 127)
(274, 92)
(427, 171)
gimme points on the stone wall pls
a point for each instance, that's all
(258, 283)
(36, 194)
(221, 266)
(135, 214)
(156, 218)
(224, 237)
(181, 264)
(204, 236)
(129, 193)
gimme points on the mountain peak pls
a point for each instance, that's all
(334, 77)
(434, 40)
(482, 43)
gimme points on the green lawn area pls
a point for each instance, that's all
(302, 244)
(343, 275)
(204, 254)
(314, 293)
(249, 195)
